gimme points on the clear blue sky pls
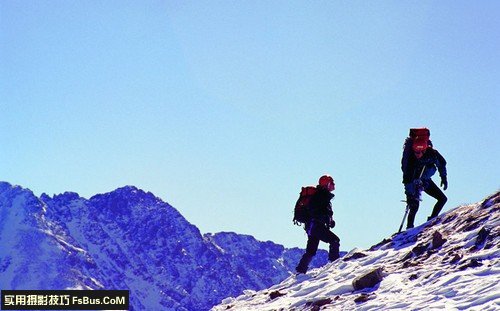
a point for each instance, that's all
(225, 109)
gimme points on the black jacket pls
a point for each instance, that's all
(320, 205)
(412, 167)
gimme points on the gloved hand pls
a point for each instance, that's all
(418, 184)
(331, 223)
(444, 183)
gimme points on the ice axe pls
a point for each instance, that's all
(407, 205)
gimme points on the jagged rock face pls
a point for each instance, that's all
(130, 239)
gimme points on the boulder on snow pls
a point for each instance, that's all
(364, 298)
(368, 280)
(419, 249)
(356, 255)
(437, 240)
(429, 248)
(482, 235)
(317, 304)
(275, 294)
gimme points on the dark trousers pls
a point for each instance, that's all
(431, 189)
(317, 232)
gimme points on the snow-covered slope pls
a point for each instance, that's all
(130, 239)
(449, 263)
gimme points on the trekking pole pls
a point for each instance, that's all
(404, 217)
(407, 205)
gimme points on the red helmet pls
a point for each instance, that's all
(325, 181)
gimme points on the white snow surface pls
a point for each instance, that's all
(418, 272)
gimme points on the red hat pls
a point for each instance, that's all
(325, 180)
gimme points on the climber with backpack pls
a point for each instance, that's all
(314, 210)
(419, 163)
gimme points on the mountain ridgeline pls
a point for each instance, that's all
(448, 263)
(130, 239)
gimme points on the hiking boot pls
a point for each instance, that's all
(301, 270)
(304, 263)
(334, 251)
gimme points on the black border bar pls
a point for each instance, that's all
(65, 299)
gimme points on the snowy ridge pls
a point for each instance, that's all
(451, 262)
(130, 239)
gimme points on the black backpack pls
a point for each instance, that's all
(301, 212)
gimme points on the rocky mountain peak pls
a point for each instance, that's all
(130, 239)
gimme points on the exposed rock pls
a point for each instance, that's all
(275, 294)
(409, 264)
(473, 223)
(419, 249)
(456, 258)
(452, 258)
(473, 263)
(437, 240)
(482, 235)
(368, 280)
(317, 304)
(490, 201)
(356, 255)
(449, 218)
(364, 298)
(377, 246)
